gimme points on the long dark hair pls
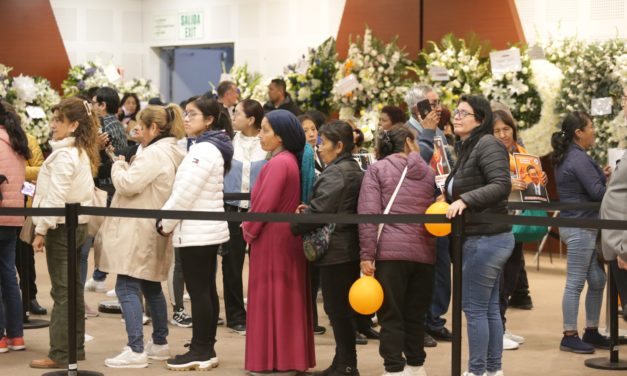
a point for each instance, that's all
(560, 141)
(124, 99)
(504, 117)
(253, 109)
(211, 107)
(17, 136)
(393, 140)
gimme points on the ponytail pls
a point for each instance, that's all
(393, 140)
(561, 140)
(12, 124)
(168, 119)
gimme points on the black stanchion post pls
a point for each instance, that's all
(71, 222)
(456, 247)
(613, 363)
(28, 322)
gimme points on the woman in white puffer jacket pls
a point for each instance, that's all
(198, 186)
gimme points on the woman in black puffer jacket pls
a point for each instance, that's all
(480, 183)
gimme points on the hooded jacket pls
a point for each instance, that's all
(199, 186)
(398, 241)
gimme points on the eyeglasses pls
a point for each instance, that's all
(461, 113)
(190, 115)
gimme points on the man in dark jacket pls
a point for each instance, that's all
(280, 99)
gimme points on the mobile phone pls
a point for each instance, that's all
(111, 154)
(424, 107)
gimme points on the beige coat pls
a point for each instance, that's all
(614, 206)
(132, 246)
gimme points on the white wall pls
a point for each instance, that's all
(110, 30)
(267, 34)
(587, 19)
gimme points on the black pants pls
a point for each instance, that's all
(22, 251)
(522, 287)
(407, 290)
(620, 278)
(199, 271)
(335, 281)
(509, 278)
(232, 266)
(314, 283)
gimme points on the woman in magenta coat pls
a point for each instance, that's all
(279, 328)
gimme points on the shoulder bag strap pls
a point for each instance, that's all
(389, 206)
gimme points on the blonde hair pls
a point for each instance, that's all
(86, 134)
(168, 119)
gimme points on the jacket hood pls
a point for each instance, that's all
(417, 168)
(219, 139)
(176, 154)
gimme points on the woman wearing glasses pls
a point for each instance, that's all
(480, 183)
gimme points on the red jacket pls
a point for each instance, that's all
(405, 241)
(13, 166)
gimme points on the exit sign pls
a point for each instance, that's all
(191, 25)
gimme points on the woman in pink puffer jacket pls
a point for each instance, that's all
(404, 253)
(14, 152)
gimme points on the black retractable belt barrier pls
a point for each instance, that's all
(73, 210)
(457, 233)
(71, 222)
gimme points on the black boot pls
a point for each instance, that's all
(36, 309)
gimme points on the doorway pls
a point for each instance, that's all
(188, 71)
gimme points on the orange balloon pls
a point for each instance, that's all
(438, 229)
(366, 295)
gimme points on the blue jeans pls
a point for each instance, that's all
(441, 286)
(582, 265)
(129, 294)
(483, 258)
(11, 298)
(97, 275)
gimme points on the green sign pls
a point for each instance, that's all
(191, 25)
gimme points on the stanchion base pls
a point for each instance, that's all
(36, 324)
(79, 372)
(604, 363)
(109, 306)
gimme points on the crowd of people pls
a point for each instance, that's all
(185, 156)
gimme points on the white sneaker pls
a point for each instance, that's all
(508, 344)
(400, 373)
(128, 359)
(414, 370)
(111, 293)
(518, 339)
(186, 297)
(97, 286)
(88, 338)
(157, 352)
(472, 374)
(497, 373)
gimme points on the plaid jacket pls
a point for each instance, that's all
(117, 135)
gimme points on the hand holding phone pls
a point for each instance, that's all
(424, 107)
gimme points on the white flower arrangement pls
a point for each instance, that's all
(260, 91)
(368, 123)
(591, 74)
(246, 81)
(463, 62)
(140, 86)
(23, 91)
(620, 70)
(85, 76)
(547, 77)
(311, 88)
(379, 69)
(517, 91)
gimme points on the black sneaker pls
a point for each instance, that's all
(36, 309)
(576, 345)
(181, 318)
(360, 339)
(441, 334)
(191, 361)
(319, 330)
(594, 338)
(238, 329)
